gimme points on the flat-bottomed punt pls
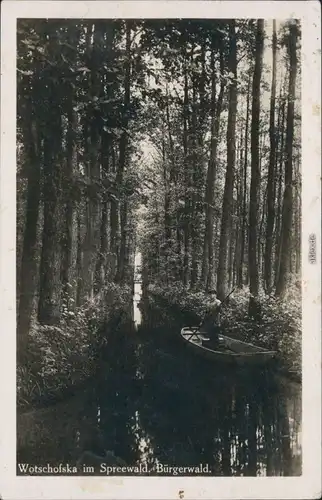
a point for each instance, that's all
(229, 350)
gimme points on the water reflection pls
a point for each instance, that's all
(137, 317)
(150, 406)
(151, 403)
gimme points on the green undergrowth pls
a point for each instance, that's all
(61, 357)
(279, 327)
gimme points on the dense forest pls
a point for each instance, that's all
(226, 143)
(176, 138)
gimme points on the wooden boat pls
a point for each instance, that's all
(229, 351)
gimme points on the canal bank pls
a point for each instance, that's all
(278, 328)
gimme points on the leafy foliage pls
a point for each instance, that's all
(62, 357)
(278, 329)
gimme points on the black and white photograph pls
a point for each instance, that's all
(162, 260)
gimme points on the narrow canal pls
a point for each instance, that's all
(153, 404)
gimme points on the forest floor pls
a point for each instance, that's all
(278, 328)
(61, 358)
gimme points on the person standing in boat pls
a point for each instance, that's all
(210, 326)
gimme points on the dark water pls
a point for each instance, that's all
(152, 403)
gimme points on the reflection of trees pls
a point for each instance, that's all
(150, 405)
(104, 419)
(116, 392)
(285, 445)
(166, 407)
(240, 425)
(281, 458)
(237, 424)
(289, 456)
(239, 430)
(171, 411)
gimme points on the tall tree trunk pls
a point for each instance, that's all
(244, 223)
(169, 184)
(124, 152)
(271, 170)
(87, 239)
(95, 44)
(231, 240)
(79, 261)
(114, 227)
(288, 196)
(100, 270)
(167, 217)
(101, 262)
(123, 242)
(195, 189)
(222, 275)
(261, 235)
(28, 272)
(279, 170)
(87, 278)
(68, 233)
(255, 171)
(239, 210)
(50, 284)
(298, 220)
(186, 237)
(208, 248)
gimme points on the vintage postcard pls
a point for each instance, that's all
(160, 250)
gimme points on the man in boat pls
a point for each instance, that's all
(210, 326)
